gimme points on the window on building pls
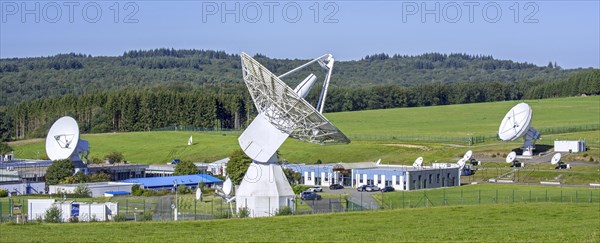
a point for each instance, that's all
(309, 176)
(430, 175)
(438, 178)
(397, 180)
(379, 180)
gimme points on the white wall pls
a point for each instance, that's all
(100, 211)
(569, 146)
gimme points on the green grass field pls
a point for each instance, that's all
(394, 135)
(486, 194)
(538, 222)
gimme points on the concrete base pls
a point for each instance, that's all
(264, 190)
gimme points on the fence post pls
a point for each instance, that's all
(513, 197)
(195, 212)
(546, 195)
(576, 200)
(590, 196)
(529, 195)
(403, 199)
(561, 195)
(444, 196)
(425, 198)
(479, 197)
(496, 196)
(461, 197)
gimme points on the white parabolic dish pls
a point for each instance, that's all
(227, 187)
(418, 162)
(511, 157)
(556, 158)
(468, 155)
(62, 139)
(515, 123)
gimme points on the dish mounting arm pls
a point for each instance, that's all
(327, 66)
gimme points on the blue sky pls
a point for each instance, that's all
(566, 32)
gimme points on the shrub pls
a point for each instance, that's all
(585, 155)
(53, 215)
(83, 190)
(284, 211)
(119, 218)
(591, 159)
(73, 220)
(243, 212)
(147, 216)
(299, 188)
(493, 155)
(3, 193)
(114, 157)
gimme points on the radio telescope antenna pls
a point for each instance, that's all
(63, 142)
(282, 113)
(516, 124)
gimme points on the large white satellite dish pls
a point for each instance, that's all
(418, 162)
(63, 141)
(282, 112)
(516, 124)
(556, 158)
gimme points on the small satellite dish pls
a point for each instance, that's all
(461, 162)
(556, 158)
(511, 157)
(468, 155)
(190, 141)
(62, 141)
(227, 187)
(418, 162)
(198, 194)
(378, 162)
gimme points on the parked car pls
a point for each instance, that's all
(336, 186)
(308, 195)
(315, 189)
(368, 188)
(388, 189)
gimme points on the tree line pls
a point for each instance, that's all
(23, 79)
(231, 107)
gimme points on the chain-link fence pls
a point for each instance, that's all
(211, 207)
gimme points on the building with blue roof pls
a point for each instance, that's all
(168, 182)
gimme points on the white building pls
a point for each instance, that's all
(98, 189)
(400, 177)
(569, 146)
(218, 167)
(82, 211)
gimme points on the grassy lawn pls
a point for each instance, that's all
(393, 135)
(541, 222)
(487, 194)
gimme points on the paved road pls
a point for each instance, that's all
(365, 199)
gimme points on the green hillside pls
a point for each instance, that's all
(536, 222)
(394, 135)
(76, 74)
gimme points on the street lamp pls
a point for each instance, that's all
(175, 209)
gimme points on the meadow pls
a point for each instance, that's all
(397, 136)
(541, 222)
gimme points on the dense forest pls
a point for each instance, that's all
(146, 90)
(24, 79)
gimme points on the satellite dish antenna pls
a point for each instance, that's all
(461, 163)
(378, 162)
(517, 123)
(511, 157)
(227, 187)
(468, 155)
(282, 113)
(418, 162)
(556, 158)
(62, 141)
(190, 140)
(198, 194)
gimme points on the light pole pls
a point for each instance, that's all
(135, 214)
(175, 209)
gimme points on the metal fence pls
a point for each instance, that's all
(161, 208)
